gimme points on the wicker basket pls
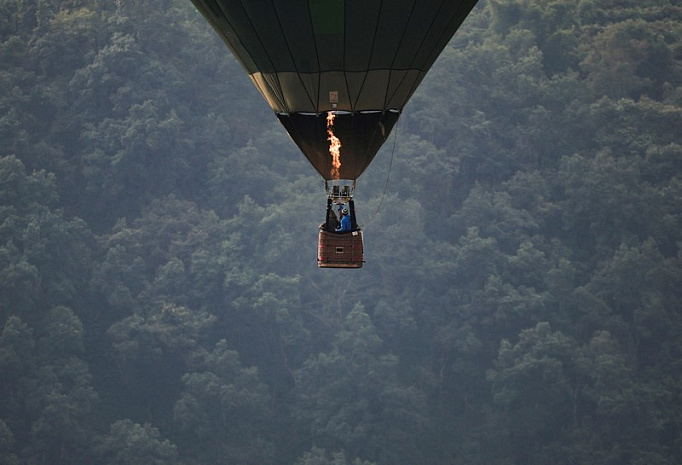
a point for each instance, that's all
(340, 250)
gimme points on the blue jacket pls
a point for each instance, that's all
(345, 224)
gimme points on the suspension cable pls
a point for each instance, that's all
(388, 176)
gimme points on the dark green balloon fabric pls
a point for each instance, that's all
(309, 57)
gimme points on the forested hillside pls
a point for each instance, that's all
(521, 303)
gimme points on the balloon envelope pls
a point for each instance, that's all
(360, 58)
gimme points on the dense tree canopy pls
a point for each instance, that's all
(521, 301)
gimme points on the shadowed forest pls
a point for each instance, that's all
(521, 303)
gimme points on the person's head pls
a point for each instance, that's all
(344, 211)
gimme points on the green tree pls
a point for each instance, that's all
(47, 392)
(622, 57)
(44, 257)
(353, 400)
(150, 354)
(534, 382)
(621, 418)
(7, 455)
(317, 456)
(130, 443)
(224, 412)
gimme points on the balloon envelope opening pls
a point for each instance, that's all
(361, 134)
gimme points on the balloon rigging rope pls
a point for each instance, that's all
(388, 176)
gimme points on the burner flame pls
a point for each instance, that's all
(334, 146)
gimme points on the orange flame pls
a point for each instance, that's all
(334, 146)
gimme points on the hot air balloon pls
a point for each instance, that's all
(337, 72)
